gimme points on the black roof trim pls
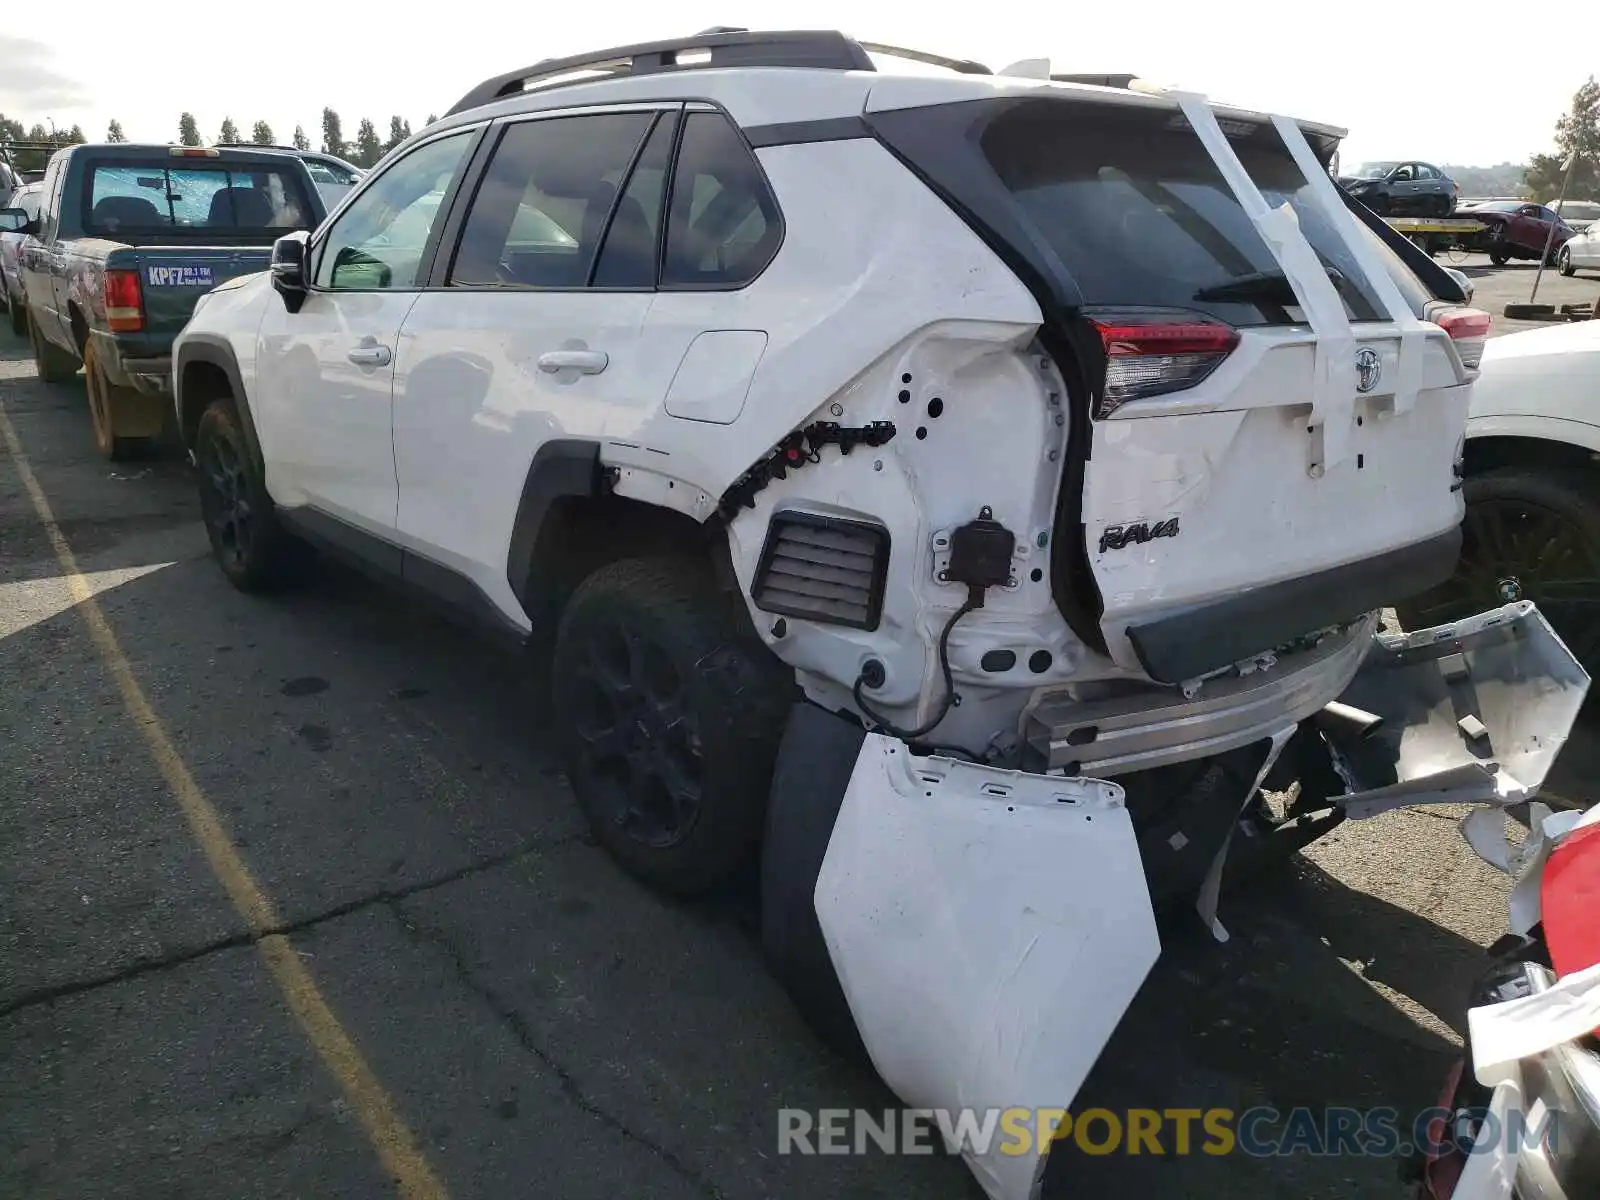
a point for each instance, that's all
(816, 49)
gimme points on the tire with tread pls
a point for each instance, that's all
(54, 364)
(1573, 496)
(18, 313)
(1564, 262)
(103, 397)
(710, 686)
(272, 557)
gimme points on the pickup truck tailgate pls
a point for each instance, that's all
(172, 278)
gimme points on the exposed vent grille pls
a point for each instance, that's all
(823, 569)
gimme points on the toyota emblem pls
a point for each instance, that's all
(1369, 369)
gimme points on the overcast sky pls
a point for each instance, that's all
(1385, 72)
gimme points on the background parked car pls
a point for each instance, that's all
(1396, 188)
(1578, 213)
(332, 175)
(1516, 229)
(27, 198)
(1581, 252)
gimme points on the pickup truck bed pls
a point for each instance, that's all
(128, 239)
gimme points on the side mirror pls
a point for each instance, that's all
(14, 220)
(290, 268)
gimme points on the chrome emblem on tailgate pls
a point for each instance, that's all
(1369, 369)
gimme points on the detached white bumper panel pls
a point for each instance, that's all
(1473, 712)
(989, 929)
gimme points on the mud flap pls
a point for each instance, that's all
(988, 928)
(1472, 712)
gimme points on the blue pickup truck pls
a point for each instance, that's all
(126, 240)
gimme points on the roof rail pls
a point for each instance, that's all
(1110, 81)
(964, 65)
(721, 46)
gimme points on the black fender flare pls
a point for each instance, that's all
(561, 467)
(216, 351)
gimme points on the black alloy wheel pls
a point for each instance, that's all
(638, 736)
(225, 501)
(1528, 534)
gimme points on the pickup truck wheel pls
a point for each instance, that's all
(1564, 262)
(254, 551)
(1530, 533)
(54, 364)
(669, 714)
(106, 403)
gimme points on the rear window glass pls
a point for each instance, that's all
(28, 200)
(154, 197)
(1133, 206)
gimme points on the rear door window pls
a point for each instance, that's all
(547, 200)
(1133, 206)
(724, 226)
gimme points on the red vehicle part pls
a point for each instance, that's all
(1569, 901)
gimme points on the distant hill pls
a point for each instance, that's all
(1503, 180)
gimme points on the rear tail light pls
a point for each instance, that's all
(1469, 330)
(1152, 354)
(124, 302)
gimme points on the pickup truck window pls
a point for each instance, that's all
(126, 197)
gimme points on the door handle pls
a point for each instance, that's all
(585, 362)
(370, 356)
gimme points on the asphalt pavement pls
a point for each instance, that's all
(440, 987)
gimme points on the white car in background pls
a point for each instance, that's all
(333, 176)
(1580, 214)
(1580, 253)
(27, 198)
(1532, 487)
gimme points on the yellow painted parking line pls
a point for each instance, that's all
(396, 1147)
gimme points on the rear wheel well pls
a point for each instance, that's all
(581, 534)
(202, 382)
(80, 328)
(1489, 453)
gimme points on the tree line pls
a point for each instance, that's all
(1577, 137)
(364, 150)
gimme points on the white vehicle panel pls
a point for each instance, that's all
(989, 929)
(1549, 374)
(474, 399)
(331, 412)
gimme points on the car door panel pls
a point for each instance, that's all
(334, 451)
(479, 389)
(515, 348)
(325, 373)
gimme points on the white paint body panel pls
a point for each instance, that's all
(1542, 383)
(330, 419)
(1012, 907)
(472, 406)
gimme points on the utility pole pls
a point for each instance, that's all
(1566, 178)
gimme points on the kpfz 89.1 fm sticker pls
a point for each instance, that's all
(185, 276)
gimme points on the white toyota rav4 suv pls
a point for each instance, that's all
(966, 489)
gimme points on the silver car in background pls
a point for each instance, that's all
(27, 198)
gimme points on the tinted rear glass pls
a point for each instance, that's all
(158, 197)
(1131, 203)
